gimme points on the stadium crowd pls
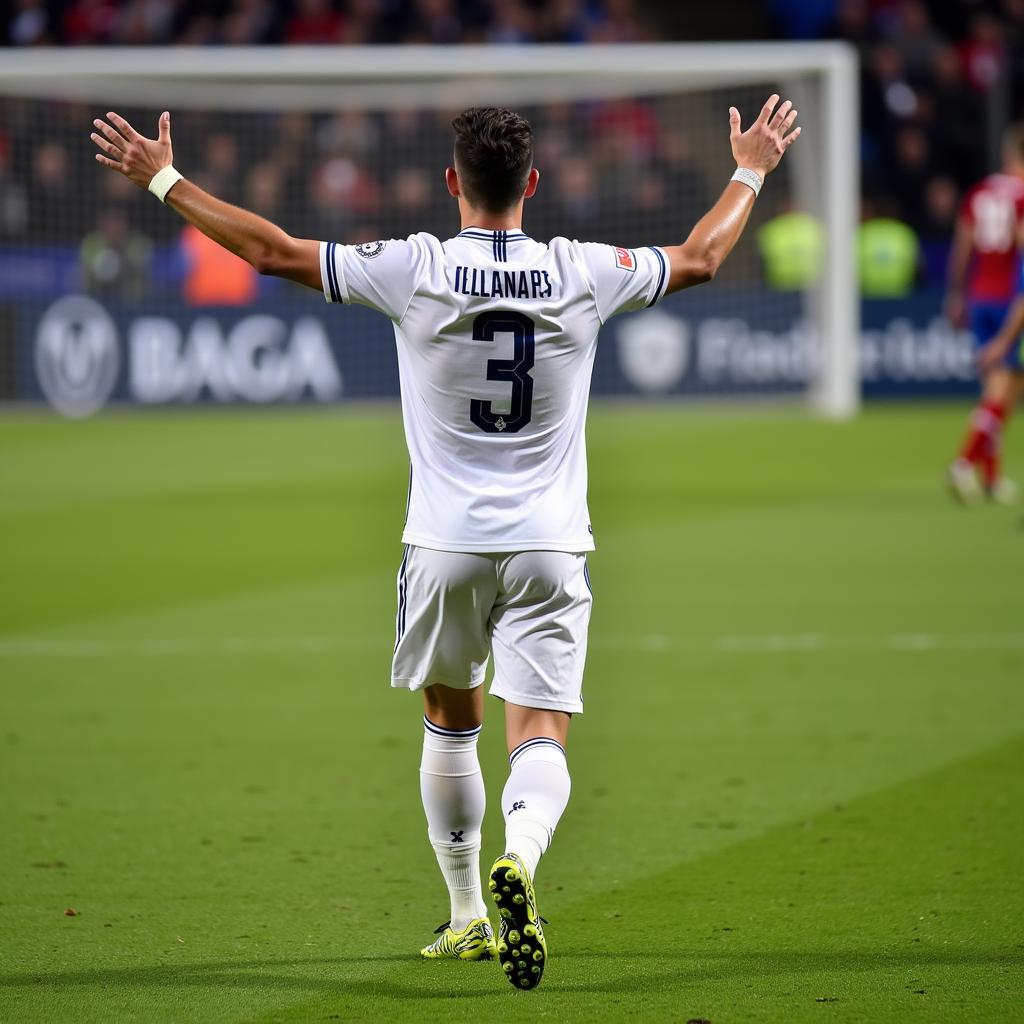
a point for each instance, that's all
(930, 74)
(932, 77)
(259, 22)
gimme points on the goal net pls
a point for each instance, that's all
(105, 296)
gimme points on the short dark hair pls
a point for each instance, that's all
(493, 155)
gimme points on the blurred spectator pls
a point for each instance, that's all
(803, 19)
(54, 207)
(13, 196)
(249, 23)
(647, 199)
(433, 21)
(263, 188)
(146, 22)
(30, 24)
(115, 258)
(89, 22)
(342, 193)
(617, 23)
(895, 98)
(983, 52)
(853, 23)
(625, 131)
(221, 169)
(562, 21)
(683, 176)
(911, 169)
(314, 21)
(792, 246)
(958, 114)
(560, 134)
(513, 22)
(915, 38)
(942, 198)
(415, 203)
(214, 276)
(577, 202)
(887, 254)
(365, 23)
(200, 30)
(351, 132)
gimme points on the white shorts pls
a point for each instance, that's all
(530, 609)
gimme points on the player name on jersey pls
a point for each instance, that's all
(503, 284)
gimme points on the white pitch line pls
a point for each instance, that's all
(170, 646)
(653, 643)
(772, 644)
(906, 642)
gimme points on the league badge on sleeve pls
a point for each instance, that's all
(370, 249)
(624, 259)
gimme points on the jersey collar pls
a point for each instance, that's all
(499, 240)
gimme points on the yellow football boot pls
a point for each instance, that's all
(474, 942)
(522, 950)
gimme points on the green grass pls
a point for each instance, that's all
(797, 786)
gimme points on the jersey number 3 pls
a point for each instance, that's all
(515, 371)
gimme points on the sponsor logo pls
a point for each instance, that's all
(370, 249)
(519, 805)
(654, 351)
(659, 352)
(902, 352)
(260, 359)
(624, 259)
(458, 837)
(77, 355)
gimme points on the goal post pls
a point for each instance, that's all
(631, 140)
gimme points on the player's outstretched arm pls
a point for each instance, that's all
(259, 242)
(758, 149)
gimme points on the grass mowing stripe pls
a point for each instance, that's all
(159, 647)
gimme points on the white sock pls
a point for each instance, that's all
(534, 798)
(452, 789)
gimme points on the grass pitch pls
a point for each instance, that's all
(797, 786)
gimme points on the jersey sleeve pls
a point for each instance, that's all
(625, 279)
(383, 275)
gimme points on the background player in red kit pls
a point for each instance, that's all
(983, 275)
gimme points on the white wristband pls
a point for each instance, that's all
(161, 182)
(750, 178)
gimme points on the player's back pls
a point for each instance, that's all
(994, 211)
(496, 338)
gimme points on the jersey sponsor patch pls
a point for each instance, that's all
(370, 249)
(624, 259)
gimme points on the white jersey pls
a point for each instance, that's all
(496, 339)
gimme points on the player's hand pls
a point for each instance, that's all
(135, 156)
(991, 356)
(761, 146)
